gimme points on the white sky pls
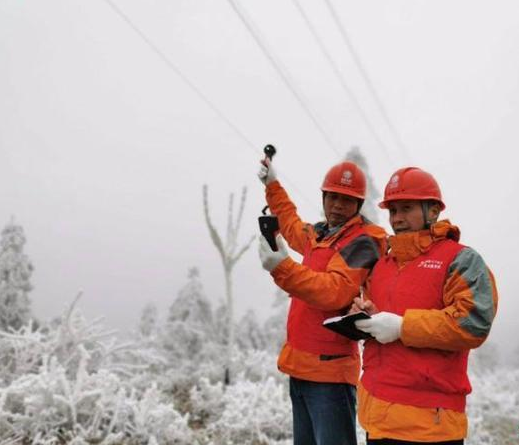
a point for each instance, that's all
(104, 149)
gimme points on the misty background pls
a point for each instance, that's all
(104, 147)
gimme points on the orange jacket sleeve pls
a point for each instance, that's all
(336, 287)
(470, 298)
(293, 229)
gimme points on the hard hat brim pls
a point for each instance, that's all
(341, 191)
(410, 197)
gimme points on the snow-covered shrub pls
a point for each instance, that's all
(256, 365)
(254, 412)
(71, 380)
(150, 419)
(493, 408)
(249, 333)
(15, 274)
(206, 401)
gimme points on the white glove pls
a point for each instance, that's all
(384, 326)
(267, 173)
(269, 258)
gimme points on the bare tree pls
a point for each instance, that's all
(229, 254)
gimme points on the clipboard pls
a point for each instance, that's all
(345, 325)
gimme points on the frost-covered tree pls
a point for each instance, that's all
(148, 321)
(249, 333)
(274, 327)
(221, 325)
(73, 382)
(230, 255)
(373, 195)
(15, 273)
(189, 326)
(192, 304)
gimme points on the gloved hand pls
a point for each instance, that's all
(384, 326)
(269, 258)
(267, 173)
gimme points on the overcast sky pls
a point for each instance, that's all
(104, 148)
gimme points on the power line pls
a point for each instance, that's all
(283, 73)
(197, 90)
(340, 78)
(180, 74)
(367, 79)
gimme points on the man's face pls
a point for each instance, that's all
(406, 216)
(339, 208)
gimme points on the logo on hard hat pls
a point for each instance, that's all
(347, 177)
(393, 182)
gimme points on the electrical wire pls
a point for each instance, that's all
(198, 92)
(341, 79)
(282, 71)
(367, 79)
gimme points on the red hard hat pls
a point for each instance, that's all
(411, 183)
(345, 178)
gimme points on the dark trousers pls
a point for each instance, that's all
(405, 442)
(323, 413)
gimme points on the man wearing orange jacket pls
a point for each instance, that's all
(432, 299)
(338, 255)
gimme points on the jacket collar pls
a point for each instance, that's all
(407, 246)
(327, 236)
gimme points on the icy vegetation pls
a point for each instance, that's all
(72, 381)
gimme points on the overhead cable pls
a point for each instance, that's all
(197, 90)
(180, 74)
(341, 80)
(283, 73)
(367, 79)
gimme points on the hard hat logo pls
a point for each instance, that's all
(412, 183)
(347, 177)
(393, 182)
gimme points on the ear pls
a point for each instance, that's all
(434, 212)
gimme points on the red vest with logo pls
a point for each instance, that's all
(305, 329)
(423, 377)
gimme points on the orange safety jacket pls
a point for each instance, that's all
(423, 377)
(305, 329)
(335, 267)
(457, 319)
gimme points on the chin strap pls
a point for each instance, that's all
(426, 205)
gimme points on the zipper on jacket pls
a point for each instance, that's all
(437, 416)
(390, 307)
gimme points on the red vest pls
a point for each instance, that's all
(304, 325)
(423, 377)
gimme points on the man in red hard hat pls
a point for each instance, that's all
(338, 254)
(432, 299)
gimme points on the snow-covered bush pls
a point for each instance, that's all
(72, 380)
(206, 401)
(15, 274)
(256, 365)
(254, 412)
(493, 407)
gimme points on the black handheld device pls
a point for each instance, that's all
(345, 325)
(269, 224)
